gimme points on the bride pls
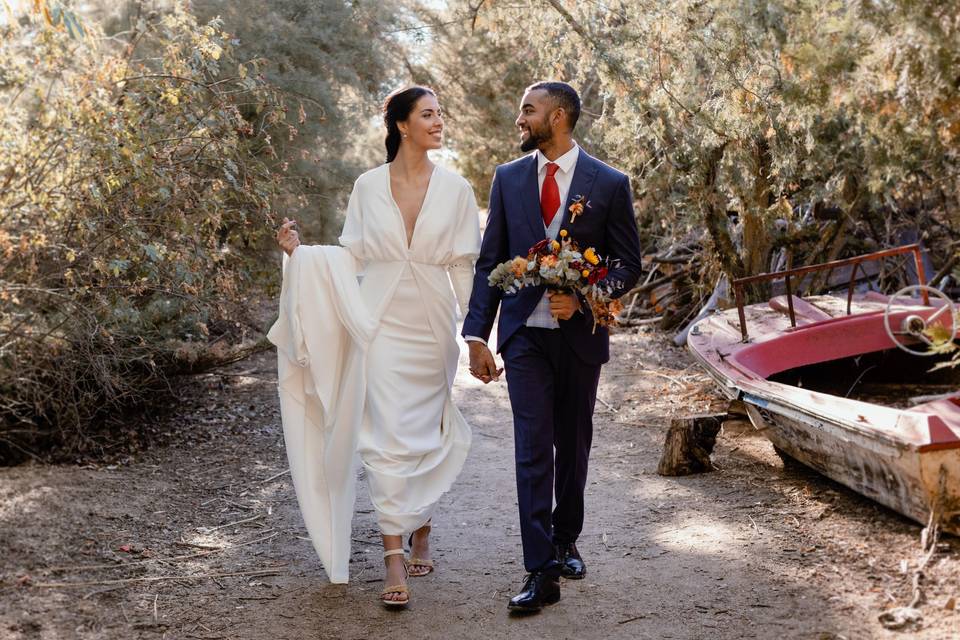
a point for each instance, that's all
(366, 371)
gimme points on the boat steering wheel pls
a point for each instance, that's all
(915, 325)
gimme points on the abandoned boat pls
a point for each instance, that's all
(841, 383)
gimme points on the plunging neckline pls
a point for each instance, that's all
(396, 207)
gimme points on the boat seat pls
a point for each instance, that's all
(801, 309)
(876, 296)
(947, 407)
(945, 420)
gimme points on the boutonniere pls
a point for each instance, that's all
(577, 206)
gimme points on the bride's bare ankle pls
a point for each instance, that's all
(395, 571)
(420, 548)
(422, 533)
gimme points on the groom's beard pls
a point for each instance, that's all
(536, 138)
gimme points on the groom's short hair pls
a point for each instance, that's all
(564, 95)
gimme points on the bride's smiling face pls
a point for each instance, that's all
(424, 126)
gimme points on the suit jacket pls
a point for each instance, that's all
(514, 224)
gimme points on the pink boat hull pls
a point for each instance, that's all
(907, 459)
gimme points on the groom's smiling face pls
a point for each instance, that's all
(537, 110)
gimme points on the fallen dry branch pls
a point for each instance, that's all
(193, 545)
(133, 563)
(910, 617)
(119, 565)
(650, 372)
(275, 476)
(263, 539)
(669, 291)
(640, 323)
(231, 524)
(653, 284)
(203, 576)
(673, 259)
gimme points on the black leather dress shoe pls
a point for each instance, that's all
(539, 589)
(571, 564)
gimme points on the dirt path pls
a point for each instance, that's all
(750, 551)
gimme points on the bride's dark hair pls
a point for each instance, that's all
(397, 108)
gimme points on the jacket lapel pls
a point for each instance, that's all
(583, 176)
(530, 198)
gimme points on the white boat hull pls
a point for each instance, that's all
(895, 475)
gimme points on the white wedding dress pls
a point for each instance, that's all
(365, 371)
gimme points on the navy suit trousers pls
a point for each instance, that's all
(553, 394)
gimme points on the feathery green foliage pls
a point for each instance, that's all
(136, 202)
(846, 110)
(334, 62)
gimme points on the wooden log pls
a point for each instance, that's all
(684, 259)
(661, 292)
(688, 445)
(656, 283)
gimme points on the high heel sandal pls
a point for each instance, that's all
(397, 588)
(418, 562)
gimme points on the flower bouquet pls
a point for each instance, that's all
(562, 266)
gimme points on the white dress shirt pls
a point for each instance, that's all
(567, 163)
(541, 317)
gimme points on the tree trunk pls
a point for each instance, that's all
(689, 444)
(714, 212)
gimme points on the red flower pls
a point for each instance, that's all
(597, 275)
(541, 247)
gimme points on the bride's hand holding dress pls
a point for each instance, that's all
(287, 236)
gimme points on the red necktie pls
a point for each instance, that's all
(549, 195)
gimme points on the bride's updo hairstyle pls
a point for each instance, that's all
(397, 108)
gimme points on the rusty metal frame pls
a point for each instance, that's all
(739, 283)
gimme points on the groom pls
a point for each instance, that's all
(550, 350)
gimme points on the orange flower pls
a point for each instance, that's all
(518, 266)
(576, 208)
(563, 233)
(549, 261)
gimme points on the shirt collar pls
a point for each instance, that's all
(566, 162)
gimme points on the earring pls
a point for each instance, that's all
(404, 135)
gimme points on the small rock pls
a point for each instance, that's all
(901, 618)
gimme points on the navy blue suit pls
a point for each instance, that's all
(552, 374)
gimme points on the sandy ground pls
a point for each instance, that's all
(199, 537)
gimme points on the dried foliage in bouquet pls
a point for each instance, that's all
(560, 265)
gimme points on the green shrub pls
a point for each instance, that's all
(136, 182)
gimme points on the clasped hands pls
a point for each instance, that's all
(482, 365)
